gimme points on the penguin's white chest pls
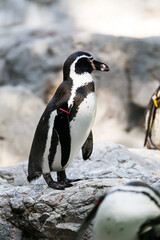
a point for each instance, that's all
(81, 125)
(85, 117)
(80, 128)
(155, 132)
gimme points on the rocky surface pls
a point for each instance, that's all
(34, 211)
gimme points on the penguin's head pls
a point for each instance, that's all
(80, 63)
(130, 212)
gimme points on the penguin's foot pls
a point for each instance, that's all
(65, 183)
(61, 178)
(54, 184)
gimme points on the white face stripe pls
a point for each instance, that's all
(82, 56)
(79, 80)
(72, 67)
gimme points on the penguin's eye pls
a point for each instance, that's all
(146, 232)
(149, 232)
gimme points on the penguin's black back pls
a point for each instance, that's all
(39, 141)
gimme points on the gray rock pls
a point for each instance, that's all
(28, 14)
(20, 111)
(34, 211)
(41, 63)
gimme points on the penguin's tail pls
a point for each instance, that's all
(33, 176)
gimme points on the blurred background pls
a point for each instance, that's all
(36, 36)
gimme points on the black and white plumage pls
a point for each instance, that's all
(130, 212)
(152, 122)
(65, 126)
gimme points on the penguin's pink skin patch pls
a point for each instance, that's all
(64, 110)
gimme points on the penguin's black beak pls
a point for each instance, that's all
(100, 66)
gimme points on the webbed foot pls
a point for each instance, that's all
(53, 184)
(61, 178)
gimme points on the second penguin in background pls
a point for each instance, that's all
(152, 122)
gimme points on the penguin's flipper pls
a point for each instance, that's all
(59, 100)
(151, 112)
(37, 149)
(87, 147)
(89, 218)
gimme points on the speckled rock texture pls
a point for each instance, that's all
(34, 211)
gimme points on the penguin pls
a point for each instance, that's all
(129, 212)
(65, 126)
(152, 122)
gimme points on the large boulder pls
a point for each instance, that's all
(34, 62)
(34, 211)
